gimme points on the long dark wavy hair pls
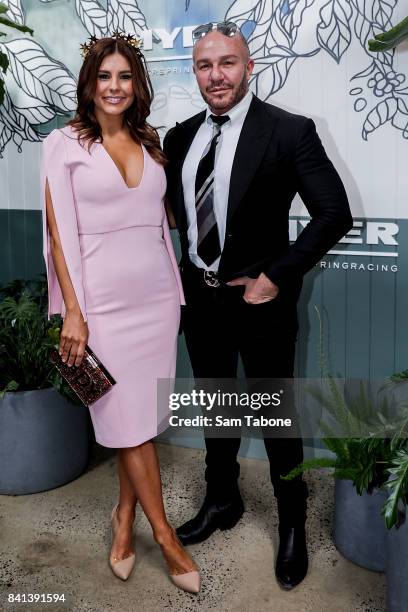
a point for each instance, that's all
(85, 122)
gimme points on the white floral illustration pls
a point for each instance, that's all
(93, 16)
(15, 11)
(40, 87)
(274, 26)
(177, 92)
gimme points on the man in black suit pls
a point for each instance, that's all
(233, 172)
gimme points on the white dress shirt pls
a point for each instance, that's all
(225, 153)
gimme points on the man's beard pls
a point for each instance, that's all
(238, 95)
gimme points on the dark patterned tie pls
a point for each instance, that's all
(208, 243)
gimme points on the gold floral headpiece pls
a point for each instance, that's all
(131, 40)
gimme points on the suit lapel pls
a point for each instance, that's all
(254, 138)
(255, 135)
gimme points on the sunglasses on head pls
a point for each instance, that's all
(228, 28)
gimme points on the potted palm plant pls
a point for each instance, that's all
(397, 537)
(397, 555)
(44, 435)
(364, 440)
(371, 474)
(395, 513)
(365, 426)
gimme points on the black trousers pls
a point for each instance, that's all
(219, 326)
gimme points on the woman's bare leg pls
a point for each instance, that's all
(122, 545)
(142, 467)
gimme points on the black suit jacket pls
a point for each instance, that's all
(278, 155)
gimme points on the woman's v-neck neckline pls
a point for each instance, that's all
(108, 155)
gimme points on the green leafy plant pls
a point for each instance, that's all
(390, 39)
(3, 57)
(396, 486)
(396, 467)
(26, 338)
(378, 459)
(400, 377)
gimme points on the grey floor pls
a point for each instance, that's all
(58, 542)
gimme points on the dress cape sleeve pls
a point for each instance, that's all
(170, 248)
(55, 167)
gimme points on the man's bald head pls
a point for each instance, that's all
(238, 35)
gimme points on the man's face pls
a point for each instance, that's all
(222, 68)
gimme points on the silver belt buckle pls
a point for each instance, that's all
(210, 279)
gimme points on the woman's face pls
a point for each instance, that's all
(114, 87)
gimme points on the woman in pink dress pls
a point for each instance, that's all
(113, 277)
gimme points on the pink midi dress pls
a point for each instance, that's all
(118, 250)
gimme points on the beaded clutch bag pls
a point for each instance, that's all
(89, 381)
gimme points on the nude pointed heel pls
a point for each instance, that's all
(121, 567)
(190, 582)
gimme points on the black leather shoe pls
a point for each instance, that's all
(292, 561)
(211, 516)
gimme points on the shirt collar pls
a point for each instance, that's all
(236, 113)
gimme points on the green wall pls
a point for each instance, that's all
(364, 313)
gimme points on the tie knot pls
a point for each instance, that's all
(219, 119)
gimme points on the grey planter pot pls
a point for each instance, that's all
(397, 569)
(43, 441)
(360, 533)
